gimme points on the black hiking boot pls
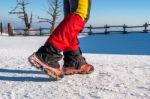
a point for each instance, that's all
(75, 63)
(46, 58)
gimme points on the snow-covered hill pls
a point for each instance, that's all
(122, 69)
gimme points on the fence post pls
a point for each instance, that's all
(90, 30)
(124, 29)
(40, 31)
(145, 27)
(10, 31)
(1, 27)
(106, 31)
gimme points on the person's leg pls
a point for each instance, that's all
(73, 59)
(63, 38)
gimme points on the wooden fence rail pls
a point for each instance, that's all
(124, 29)
(90, 30)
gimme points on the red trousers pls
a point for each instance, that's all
(65, 36)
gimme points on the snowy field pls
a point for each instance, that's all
(122, 69)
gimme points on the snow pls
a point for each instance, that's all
(122, 69)
(4, 34)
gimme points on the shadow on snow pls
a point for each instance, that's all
(22, 78)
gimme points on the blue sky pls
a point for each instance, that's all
(103, 11)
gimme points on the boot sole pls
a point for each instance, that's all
(52, 72)
(89, 72)
(79, 71)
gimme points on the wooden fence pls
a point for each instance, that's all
(1, 28)
(34, 32)
(124, 29)
(90, 30)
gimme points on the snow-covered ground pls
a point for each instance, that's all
(122, 69)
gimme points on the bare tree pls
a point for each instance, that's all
(53, 12)
(20, 10)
